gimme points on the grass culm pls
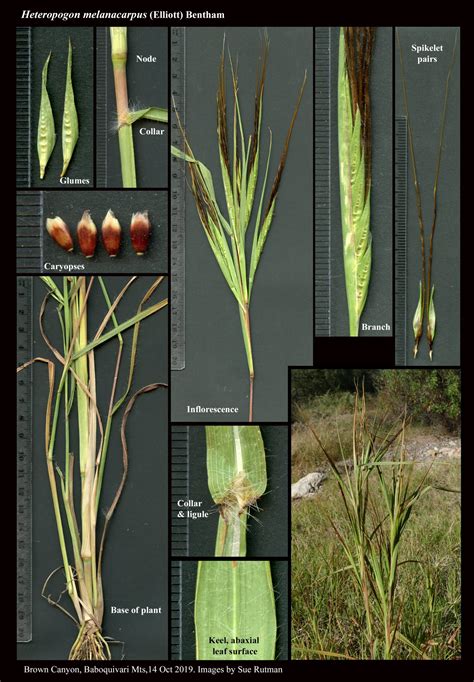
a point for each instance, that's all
(381, 578)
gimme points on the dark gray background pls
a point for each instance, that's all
(378, 307)
(425, 86)
(280, 586)
(267, 529)
(216, 371)
(55, 39)
(135, 564)
(147, 87)
(70, 207)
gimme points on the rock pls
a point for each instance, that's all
(308, 486)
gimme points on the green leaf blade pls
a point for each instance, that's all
(235, 601)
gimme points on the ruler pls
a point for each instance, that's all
(176, 610)
(24, 447)
(322, 178)
(179, 489)
(23, 106)
(101, 123)
(29, 217)
(177, 198)
(401, 170)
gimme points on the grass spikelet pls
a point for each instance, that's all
(426, 306)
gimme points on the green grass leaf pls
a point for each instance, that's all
(235, 601)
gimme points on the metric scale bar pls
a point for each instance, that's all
(177, 198)
(179, 489)
(24, 296)
(322, 178)
(401, 170)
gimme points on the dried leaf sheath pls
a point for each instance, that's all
(239, 163)
(354, 125)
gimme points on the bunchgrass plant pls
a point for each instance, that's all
(379, 493)
(355, 164)
(125, 116)
(425, 308)
(234, 611)
(237, 478)
(240, 170)
(76, 482)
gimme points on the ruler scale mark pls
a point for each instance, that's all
(176, 610)
(23, 106)
(177, 199)
(29, 216)
(24, 461)
(101, 107)
(401, 170)
(322, 174)
(179, 489)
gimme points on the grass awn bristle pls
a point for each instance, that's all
(425, 307)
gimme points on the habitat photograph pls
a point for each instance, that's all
(376, 459)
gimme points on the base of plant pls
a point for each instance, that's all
(90, 644)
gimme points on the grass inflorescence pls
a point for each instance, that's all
(240, 170)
